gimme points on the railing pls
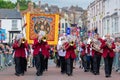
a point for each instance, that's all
(6, 60)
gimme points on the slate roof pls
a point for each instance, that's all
(10, 14)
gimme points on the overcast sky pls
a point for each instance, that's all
(64, 3)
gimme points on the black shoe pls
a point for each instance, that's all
(22, 74)
(73, 67)
(69, 74)
(38, 74)
(95, 73)
(62, 72)
(17, 74)
(85, 70)
(107, 75)
(91, 71)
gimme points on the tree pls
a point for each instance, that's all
(23, 4)
(10, 5)
(6, 4)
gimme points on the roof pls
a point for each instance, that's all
(10, 14)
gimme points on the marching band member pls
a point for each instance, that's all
(45, 50)
(20, 46)
(89, 56)
(96, 53)
(70, 54)
(90, 64)
(40, 52)
(83, 55)
(61, 53)
(108, 54)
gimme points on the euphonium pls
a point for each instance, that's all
(96, 45)
(109, 42)
(23, 40)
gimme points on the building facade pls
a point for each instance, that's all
(111, 20)
(95, 16)
(64, 23)
(11, 21)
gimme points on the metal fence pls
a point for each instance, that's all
(6, 60)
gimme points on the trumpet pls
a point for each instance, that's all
(44, 39)
(23, 40)
(71, 43)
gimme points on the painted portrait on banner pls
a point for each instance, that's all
(45, 22)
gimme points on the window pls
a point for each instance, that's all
(116, 25)
(66, 25)
(108, 26)
(62, 25)
(14, 24)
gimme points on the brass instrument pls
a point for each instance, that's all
(109, 42)
(71, 43)
(44, 39)
(23, 40)
(96, 46)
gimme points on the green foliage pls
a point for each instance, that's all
(6, 4)
(23, 4)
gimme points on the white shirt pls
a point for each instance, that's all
(60, 51)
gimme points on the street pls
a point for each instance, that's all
(53, 73)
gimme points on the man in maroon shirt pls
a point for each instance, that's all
(40, 52)
(96, 54)
(20, 55)
(108, 54)
(70, 46)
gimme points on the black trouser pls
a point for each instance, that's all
(90, 63)
(39, 63)
(58, 60)
(33, 62)
(24, 62)
(63, 64)
(46, 63)
(96, 62)
(19, 65)
(69, 66)
(108, 65)
(84, 61)
(58, 63)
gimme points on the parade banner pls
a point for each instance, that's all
(47, 22)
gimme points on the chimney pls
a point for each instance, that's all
(30, 5)
(18, 7)
(39, 4)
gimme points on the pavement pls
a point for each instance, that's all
(53, 73)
